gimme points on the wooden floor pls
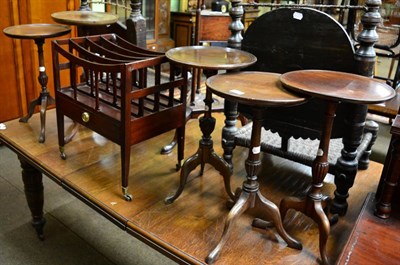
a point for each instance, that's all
(191, 226)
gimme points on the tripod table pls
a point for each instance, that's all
(38, 33)
(260, 90)
(210, 59)
(332, 87)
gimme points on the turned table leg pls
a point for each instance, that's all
(250, 195)
(44, 98)
(205, 153)
(33, 186)
(314, 204)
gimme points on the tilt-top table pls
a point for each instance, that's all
(38, 33)
(210, 59)
(85, 19)
(258, 90)
(332, 87)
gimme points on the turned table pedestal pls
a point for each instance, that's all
(39, 33)
(332, 87)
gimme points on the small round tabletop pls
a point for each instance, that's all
(261, 89)
(211, 57)
(84, 18)
(338, 86)
(36, 31)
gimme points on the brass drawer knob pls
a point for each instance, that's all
(85, 117)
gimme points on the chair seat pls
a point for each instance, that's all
(299, 150)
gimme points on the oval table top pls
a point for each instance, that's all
(338, 86)
(211, 57)
(36, 31)
(84, 18)
(261, 89)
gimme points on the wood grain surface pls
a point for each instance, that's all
(188, 229)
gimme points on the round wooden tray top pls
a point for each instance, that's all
(84, 18)
(209, 57)
(253, 88)
(36, 31)
(339, 86)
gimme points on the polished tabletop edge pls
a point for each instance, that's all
(254, 88)
(36, 31)
(211, 57)
(338, 86)
(84, 18)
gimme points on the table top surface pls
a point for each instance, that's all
(338, 86)
(190, 227)
(255, 88)
(36, 31)
(84, 18)
(211, 57)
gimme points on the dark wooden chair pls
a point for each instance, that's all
(287, 39)
(389, 43)
(119, 91)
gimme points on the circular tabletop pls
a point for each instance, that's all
(36, 31)
(84, 18)
(338, 86)
(211, 57)
(253, 88)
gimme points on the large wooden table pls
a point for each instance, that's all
(188, 229)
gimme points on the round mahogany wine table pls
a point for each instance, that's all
(210, 59)
(38, 33)
(85, 19)
(258, 90)
(333, 88)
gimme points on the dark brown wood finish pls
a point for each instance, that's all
(188, 229)
(373, 240)
(210, 60)
(305, 38)
(337, 86)
(121, 93)
(39, 33)
(388, 108)
(387, 192)
(334, 88)
(250, 88)
(214, 27)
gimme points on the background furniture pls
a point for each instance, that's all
(146, 23)
(389, 41)
(295, 42)
(214, 27)
(122, 94)
(388, 191)
(38, 33)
